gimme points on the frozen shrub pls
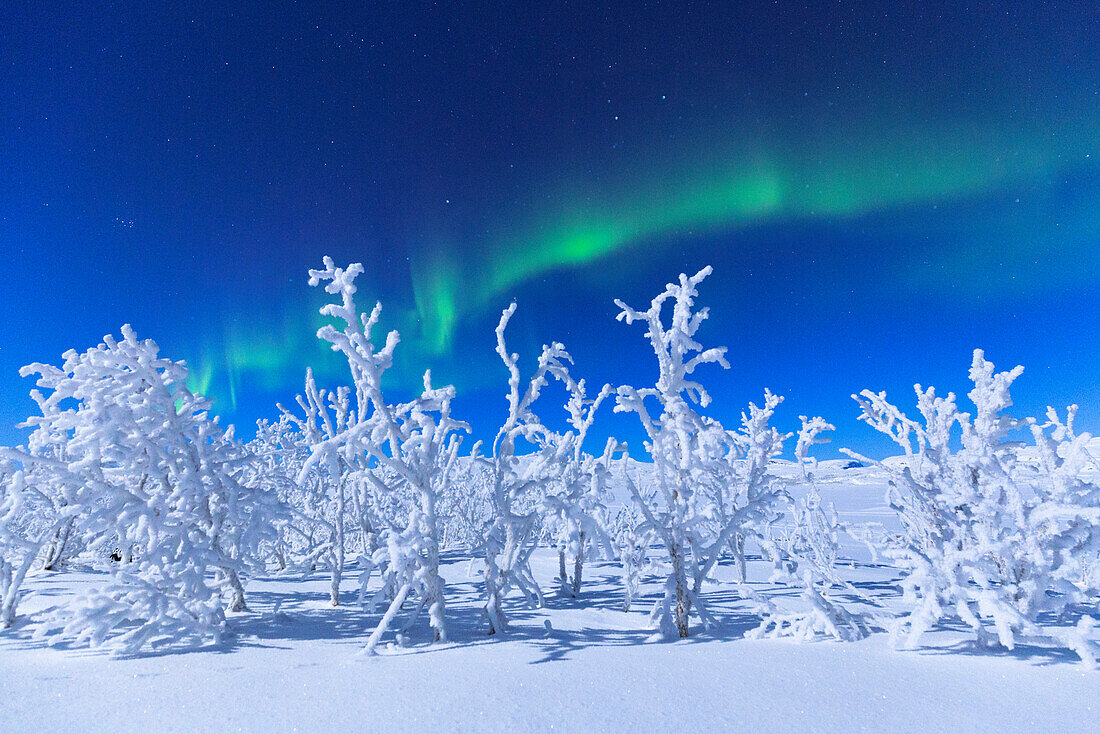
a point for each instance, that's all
(712, 486)
(324, 496)
(991, 537)
(406, 449)
(575, 509)
(28, 519)
(632, 539)
(520, 483)
(124, 450)
(806, 557)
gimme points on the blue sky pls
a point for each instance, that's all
(880, 189)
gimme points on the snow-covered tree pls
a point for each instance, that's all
(806, 557)
(29, 520)
(991, 536)
(575, 509)
(326, 497)
(135, 460)
(632, 538)
(542, 481)
(675, 437)
(277, 460)
(712, 486)
(406, 447)
(520, 482)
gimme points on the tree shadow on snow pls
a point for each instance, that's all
(593, 618)
(1035, 654)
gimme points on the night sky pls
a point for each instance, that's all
(880, 188)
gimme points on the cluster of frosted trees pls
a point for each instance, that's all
(126, 470)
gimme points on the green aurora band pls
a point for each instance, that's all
(860, 179)
(716, 192)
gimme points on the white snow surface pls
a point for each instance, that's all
(293, 665)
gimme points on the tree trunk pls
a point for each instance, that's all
(236, 591)
(683, 597)
(11, 578)
(739, 556)
(578, 566)
(433, 581)
(337, 574)
(56, 550)
(628, 579)
(387, 618)
(493, 608)
(338, 547)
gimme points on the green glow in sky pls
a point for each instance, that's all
(452, 279)
(916, 167)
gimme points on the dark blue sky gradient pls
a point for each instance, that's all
(879, 187)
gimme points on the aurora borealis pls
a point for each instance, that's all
(880, 189)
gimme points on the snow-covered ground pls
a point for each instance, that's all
(583, 664)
